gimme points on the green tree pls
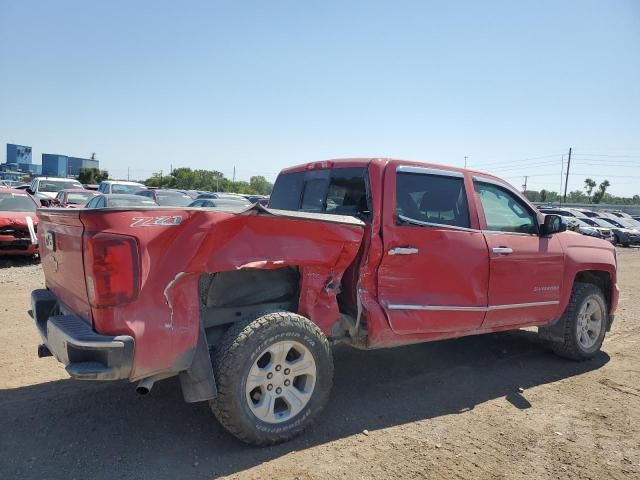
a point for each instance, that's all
(543, 195)
(602, 190)
(589, 185)
(261, 185)
(92, 176)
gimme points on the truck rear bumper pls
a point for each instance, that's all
(87, 355)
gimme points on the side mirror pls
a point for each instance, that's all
(553, 224)
(29, 191)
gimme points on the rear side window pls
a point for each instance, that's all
(431, 199)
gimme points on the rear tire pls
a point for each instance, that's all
(274, 375)
(585, 323)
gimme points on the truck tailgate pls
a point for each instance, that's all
(60, 238)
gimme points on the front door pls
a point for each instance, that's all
(435, 268)
(526, 269)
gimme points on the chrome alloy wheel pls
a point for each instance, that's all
(590, 323)
(281, 381)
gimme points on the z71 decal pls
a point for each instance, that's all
(164, 221)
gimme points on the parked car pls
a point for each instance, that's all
(226, 196)
(9, 183)
(261, 199)
(74, 197)
(18, 222)
(371, 253)
(626, 219)
(622, 236)
(120, 186)
(45, 189)
(120, 200)
(579, 225)
(167, 198)
(217, 203)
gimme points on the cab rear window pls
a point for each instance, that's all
(339, 191)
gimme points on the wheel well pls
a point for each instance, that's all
(229, 297)
(600, 279)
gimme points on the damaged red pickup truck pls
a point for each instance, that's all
(243, 305)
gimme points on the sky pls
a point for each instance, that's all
(261, 85)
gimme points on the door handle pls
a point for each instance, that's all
(403, 251)
(503, 250)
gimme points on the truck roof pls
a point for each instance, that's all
(364, 161)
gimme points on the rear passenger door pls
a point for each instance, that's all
(434, 272)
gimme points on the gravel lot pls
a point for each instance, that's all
(492, 406)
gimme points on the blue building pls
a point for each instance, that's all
(18, 154)
(75, 164)
(55, 165)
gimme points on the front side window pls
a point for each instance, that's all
(504, 211)
(433, 199)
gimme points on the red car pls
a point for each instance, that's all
(74, 197)
(18, 223)
(371, 253)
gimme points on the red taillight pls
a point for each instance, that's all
(112, 269)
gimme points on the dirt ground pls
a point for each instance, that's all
(493, 406)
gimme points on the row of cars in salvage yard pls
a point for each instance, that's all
(619, 228)
(18, 219)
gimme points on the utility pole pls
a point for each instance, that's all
(234, 174)
(127, 174)
(566, 181)
(524, 187)
(160, 178)
(465, 161)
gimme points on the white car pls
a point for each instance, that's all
(48, 187)
(120, 186)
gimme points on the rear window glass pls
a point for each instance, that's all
(340, 191)
(79, 198)
(13, 202)
(56, 185)
(130, 202)
(287, 191)
(173, 199)
(120, 188)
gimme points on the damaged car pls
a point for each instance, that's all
(18, 222)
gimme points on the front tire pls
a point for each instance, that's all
(585, 323)
(274, 375)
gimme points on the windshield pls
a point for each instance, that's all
(79, 198)
(173, 199)
(56, 185)
(576, 221)
(601, 222)
(612, 222)
(16, 202)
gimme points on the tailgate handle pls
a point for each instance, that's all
(502, 250)
(403, 251)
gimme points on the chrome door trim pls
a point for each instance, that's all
(437, 225)
(429, 171)
(523, 305)
(403, 251)
(470, 309)
(436, 307)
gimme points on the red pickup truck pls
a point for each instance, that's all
(243, 305)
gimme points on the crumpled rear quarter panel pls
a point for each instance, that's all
(165, 318)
